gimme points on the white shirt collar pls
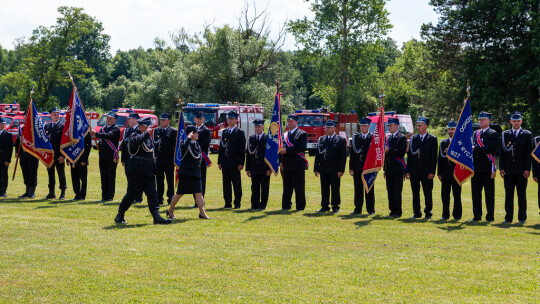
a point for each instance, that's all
(394, 134)
(516, 131)
(232, 129)
(293, 130)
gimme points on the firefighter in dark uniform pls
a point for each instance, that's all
(484, 168)
(515, 167)
(359, 150)
(204, 144)
(29, 167)
(330, 161)
(141, 173)
(54, 131)
(293, 165)
(536, 167)
(79, 171)
(131, 127)
(6, 151)
(164, 138)
(109, 136)
(257, 168)
(445, 172)
(394, 166)
(231, 156)
(189, 173)
(421, 165)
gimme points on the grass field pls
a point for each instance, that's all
(64, 251)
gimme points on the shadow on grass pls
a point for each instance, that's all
(476, 223)
(535, 227)
(218, 209)
(278, 212)
(253, 218)
(123, 226)
(319, 214)
(245, 210)
(361, 224)
(352, 216)
(383, 218)
(461, 226)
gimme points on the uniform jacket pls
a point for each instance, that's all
(424, 162)
(87, 149)
(535, 164)
(124, 157)
(55, 136)
(141, 160)
(6, 146)
(232, 149)
(445, 167)
(111, 133)
(191, 158)
(255, 155)
(164, 144)
(204, 138)
(489, 137)
(331, 155)
(291, 160)
(358, 159)
(398, 148)
(515, 153)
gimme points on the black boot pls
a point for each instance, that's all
(51, 194)
(62, 194)
(158, 220)
(25, 195)
(119, 219)
(32, 192)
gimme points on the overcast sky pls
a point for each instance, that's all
(134, 23)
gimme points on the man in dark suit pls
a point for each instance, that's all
(394, 166)
(164, 138)
(109, 136)
(6, 150)
(232, 152)
(204, 143)
(293, 165)
(421, 165)
(141, 173)
(485, 142)
(445, 172)
(359, 150)
(330, 161)
(131, 127)
(536, 167)
(515, 167)
(29, 167)
(79, 171)
(257, 168)
(54, 131)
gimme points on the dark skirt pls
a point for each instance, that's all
(189, 184)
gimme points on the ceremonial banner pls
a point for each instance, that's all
(179, 137)
(274, 141)
(34, 140)
(375, 157)
(75, 129)
(460, 150)
(536, 152)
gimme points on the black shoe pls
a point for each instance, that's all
(195, 206)
(415, 217)
(109, 200)
(427, 217)
(169, 215)
(444, 218)
(204, 218)
(25, 195)
(372, 213)
(227, 206)
(135, 202)
(507, 222)
(356, 212)
(323, 210)
(522, 222)
(161, 221)
(62, 195)
(457, 218)
(490, 221)
(236, 207)
(32, 192)
(473, 220)
(3, 195)
(119, 219)
(395, 216)
(50, 196)
(285, 209)
(335, 210)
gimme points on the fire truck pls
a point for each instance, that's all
(406, 126)
(312, 122)
(216, 118)
(121, 122)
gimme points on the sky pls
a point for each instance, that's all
(134, 23)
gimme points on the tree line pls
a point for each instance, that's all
(344, 59)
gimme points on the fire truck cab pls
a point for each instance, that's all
(216, 118)
(406, 126)
(121, 122)
(13, 121)
(313, 121)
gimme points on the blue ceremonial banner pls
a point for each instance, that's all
(181, 136)
(75, 129)
(274, 141)
(536, 152)
(34, 139)
(460, 150)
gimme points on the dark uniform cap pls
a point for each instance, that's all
(54, 110)
(112, 114)
(258, 122)
(330, 123)
(293, 117)
(484, 115)
(232, 114)
(165, 116)
(134, 115)
(392, 120)
(146, 121)
(191, 128)
(515, 116)
(451, 124)
(365, 121)
(423, 119)
(200, 114)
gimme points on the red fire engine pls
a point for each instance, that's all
(216, 118)
(312, 122)
(406, 125)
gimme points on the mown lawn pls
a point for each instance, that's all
(64, 251)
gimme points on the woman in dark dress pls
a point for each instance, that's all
(189, 173)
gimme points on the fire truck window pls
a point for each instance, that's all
(222, 118)
(121, 121)
(318, 121)
(8, 120)
(15, 123)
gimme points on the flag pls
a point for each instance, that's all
(375, 156)
(34, 139)
(274, 141)
(536, 152)
(75, 129)
(179, 137)
(460, 150)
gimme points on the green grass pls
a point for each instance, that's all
(63, 251)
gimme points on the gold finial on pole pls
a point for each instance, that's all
(382, 96)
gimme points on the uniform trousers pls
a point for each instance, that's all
(79, 177)
(29, 168)
(447, 185)
(330, 184)
(479, 182)
(260, 186)
(136, 185)
(4, 178)
(107, 169)
(359, 193)
(294, 181)
(164, 171)
(394, 188)
(61, 170)
(232, 176)
(519, 183)
(427, 188)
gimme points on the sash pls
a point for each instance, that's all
(490, 156)
(301, 154)
(109, 142)
(400, 160)
(206, 158)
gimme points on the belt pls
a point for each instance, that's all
(143, 158)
